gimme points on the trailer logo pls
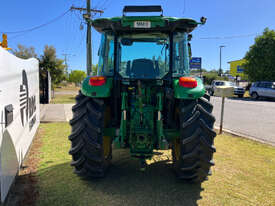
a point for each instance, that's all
(27, 103)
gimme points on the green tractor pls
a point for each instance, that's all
(143, 98)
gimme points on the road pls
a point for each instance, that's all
(248, 117)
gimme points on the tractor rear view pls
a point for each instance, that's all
(143, 98)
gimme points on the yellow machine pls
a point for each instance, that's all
(4, 42)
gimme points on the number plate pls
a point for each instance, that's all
(142, 24)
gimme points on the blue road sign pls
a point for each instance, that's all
(195, 63)
(239, 69)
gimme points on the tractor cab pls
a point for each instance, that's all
(144, 47)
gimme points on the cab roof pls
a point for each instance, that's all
(135, 24)
(156, 23)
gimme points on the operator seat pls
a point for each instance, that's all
(143, 68)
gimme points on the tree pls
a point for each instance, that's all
(77, 76)
(94, 69)
(211, 76)
(260, 58)
(49, 62)
(24, 52)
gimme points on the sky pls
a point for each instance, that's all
(232, 23)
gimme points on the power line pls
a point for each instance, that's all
(18, 35)
(37, 27)
(97, 5)
(104, 5)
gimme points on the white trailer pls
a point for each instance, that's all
(19, 113)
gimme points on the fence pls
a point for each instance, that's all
(19, 113)
(45, 87)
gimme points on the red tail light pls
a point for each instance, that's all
(188, 82)
(97, 81)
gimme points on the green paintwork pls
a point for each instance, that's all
(171, 134)
(123, 122)
(142, 136)
(188, 93)
(97, 91)
(162, 142)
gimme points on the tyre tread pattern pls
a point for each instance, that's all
(86, 137)
(196, 141)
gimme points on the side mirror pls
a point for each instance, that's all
(203, 20)
(189, 38)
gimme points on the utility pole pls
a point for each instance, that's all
(87, 17)
(66, 62)
(89, 37)
(220, 70)
(66, 71)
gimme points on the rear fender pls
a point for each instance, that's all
(188, 93)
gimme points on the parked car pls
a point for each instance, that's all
(262, 89)
(239, 91)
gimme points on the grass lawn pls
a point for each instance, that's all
(65, 95)
(63, 99)
(67, 88)
(244, 174)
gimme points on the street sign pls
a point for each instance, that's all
(223, 91)
(240, 69)
(195, 63)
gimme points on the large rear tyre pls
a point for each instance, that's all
(91, 151)
(193, 151)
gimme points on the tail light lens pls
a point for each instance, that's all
(97, 81)
(188, 82)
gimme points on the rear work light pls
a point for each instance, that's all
(188, 82)
(97, 81)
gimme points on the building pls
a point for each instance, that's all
(236, 68)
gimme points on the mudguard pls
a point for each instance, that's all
(188, 93)
(97, 91)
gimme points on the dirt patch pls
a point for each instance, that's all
(24, 190)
